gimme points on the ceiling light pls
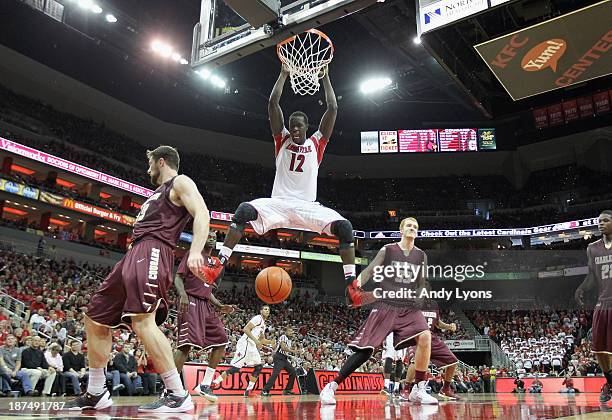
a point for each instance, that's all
(204, 73)
(417, 40)
(110, 18)
(217, 81)
(183, 61)
(96, 9)
(85, 4)
(374, 85)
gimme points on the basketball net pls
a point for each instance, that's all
(305, 56)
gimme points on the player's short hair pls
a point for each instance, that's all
(299, 114)
(169, 153)
(403, 222)
(608, 212)
(264, 306)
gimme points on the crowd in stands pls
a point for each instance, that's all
(540, 341)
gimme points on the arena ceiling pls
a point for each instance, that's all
(116, 59)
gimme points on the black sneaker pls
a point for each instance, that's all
(169, 403)
(265, 393)
(89, 401)
(288, 392)
(207, 392)
(604, 397)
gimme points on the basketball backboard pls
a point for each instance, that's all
(214, 45)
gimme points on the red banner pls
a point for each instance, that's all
(236, 383)
(585, 107)
(555, 115)
(357, 383)
(583, 384)
(570, 110)
(602, 102)
(540, 117)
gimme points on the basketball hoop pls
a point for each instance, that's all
(305, 55)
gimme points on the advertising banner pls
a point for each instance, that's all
(554, 54)
(433, 14)
(329, 257)
(75, 168)
(555, 115)
(356, 383)
(588, 384)
(89, 209)
(369, 142)
(19, 189)
(483, 233)
(236, 383)
(460, 344)
(388, 142)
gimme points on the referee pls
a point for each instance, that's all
(281, 361)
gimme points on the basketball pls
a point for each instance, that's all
(273, 285)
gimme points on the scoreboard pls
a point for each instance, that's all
(413, 141)
(458, 140)
(430, 140)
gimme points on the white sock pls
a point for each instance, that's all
(334, 385)
(218, 379)
(251, 386)
(172, 381)
(97, 381)
(225, 252)
(387, 383)
(210, 372)
(349, 270)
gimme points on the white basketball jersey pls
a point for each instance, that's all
(297, 166)
(258, 329)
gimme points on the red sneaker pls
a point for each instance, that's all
(448, 394)
(356, 297)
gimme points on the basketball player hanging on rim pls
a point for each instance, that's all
(134, 294)
(599, 255)
(198, 324)
(293, 202)
(400, 316)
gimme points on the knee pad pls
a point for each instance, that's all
(232, 370)
(244, 214)
(343, 230)
(388, 365)
(257, 370)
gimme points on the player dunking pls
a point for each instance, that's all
(135, 292)
(400, 316)
(599, 255)
(441, 356)
(198, 323)
(247, 349)
(293, 202)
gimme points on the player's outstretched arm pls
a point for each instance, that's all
(368, 272)
(326, 127)
(275, 113)
(589, 282)
(190, 197)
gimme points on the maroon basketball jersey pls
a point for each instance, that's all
(431, 316)
(601, 267)
(408, 267)
(160, 219)
(193, 285)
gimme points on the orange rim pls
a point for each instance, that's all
(291, 38)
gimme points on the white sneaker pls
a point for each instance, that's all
(419, 394)
(328, 393)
